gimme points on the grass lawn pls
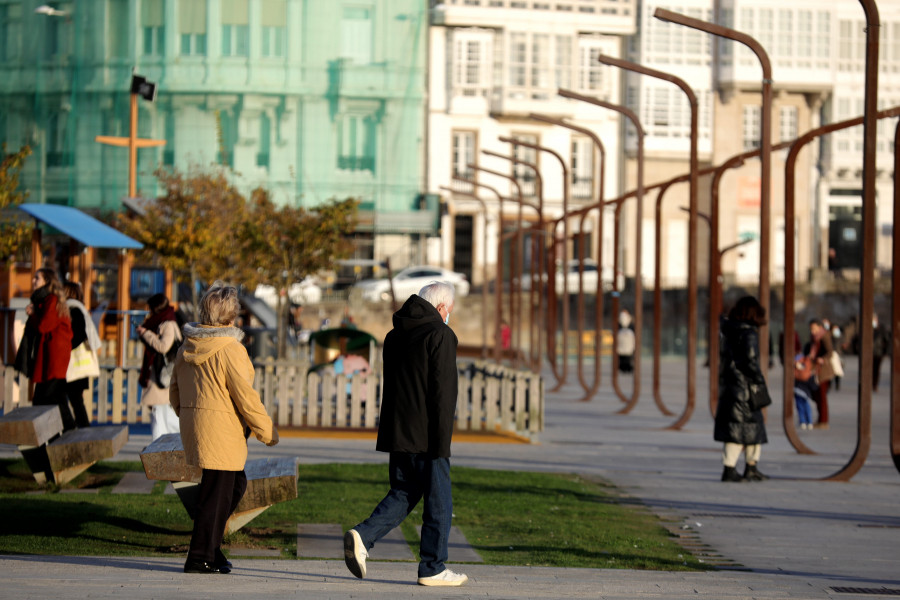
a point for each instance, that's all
(509, 517)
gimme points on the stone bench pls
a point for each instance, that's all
(269, 480)
(55, 456)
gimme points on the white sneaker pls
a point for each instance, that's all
(355, 554)
(445, 578)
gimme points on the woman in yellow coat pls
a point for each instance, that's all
(212, 394)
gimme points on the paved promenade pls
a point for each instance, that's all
(790, 537)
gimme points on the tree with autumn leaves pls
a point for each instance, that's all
(14, 234)
(204, 226)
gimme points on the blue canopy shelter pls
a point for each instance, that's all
(91, 233)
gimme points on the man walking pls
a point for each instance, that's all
(417, 413)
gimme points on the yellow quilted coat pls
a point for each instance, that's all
(212, 394)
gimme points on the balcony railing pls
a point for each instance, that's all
(582, 187)
(356, 163)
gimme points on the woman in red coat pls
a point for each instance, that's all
(50, 328)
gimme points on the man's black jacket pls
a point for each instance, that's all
(420, 382)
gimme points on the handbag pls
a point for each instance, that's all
(82, 363)
(836, 364)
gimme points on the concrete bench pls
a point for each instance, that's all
(269, 480)
(55, 456)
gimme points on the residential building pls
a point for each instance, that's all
(311, 100)
(492, 64)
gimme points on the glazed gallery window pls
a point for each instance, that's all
(582, 171)
(235, 28)
(472, 52)
(751, 126)
(192, 27)
(525, 174)
(273, 34)
(153, 27)
(590, 71)
(539, 63)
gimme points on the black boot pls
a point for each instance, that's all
(751, 473)
(731, 474)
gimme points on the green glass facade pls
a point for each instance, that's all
(312, 99)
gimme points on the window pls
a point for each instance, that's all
(582, 167)
(265, 140)
(751, 127)
(785, 47)
(235, 28)
(804, 34)
(57, 155)
(471, 58)
(192, 26)
(524, 174)
(228, 127)
(590, 71)
(59, 34)
(540, 62)
(274, 16)
(153, 27)
(463, 153)
(169, 148)
(563, 73)
(118, 35)
(356, 34)
(518, 59)
(10, 31)
(356, 142)
(787, 123)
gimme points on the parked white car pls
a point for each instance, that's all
(409, 281)
(302, 292)
(570, 277)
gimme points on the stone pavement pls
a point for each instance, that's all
(791, 537)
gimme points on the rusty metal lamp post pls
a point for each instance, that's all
(536, 309)
(565, 207)
(590, 390)
(864, 415)
(514, 281)
(484, 262)
(895, 314)
(692, 229)
(639, 217)
(765, 208)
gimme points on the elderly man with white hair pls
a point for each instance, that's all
(417, 413)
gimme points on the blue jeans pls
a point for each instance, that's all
(804, 412)
(413, 477)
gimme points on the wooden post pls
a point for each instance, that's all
(87, 275)
(123, 302)
(36, 256)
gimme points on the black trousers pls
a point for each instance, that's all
(218, 495)
(75, 391)
(53, 392)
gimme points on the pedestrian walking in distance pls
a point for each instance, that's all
(743, 394)
(417, 414)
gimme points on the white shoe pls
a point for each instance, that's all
(445, 578)
(355, 554)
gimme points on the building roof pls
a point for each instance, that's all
(80, 226)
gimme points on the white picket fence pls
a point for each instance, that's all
(491, 397)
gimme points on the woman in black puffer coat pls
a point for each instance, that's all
(742, 390)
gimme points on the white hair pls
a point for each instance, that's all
(438, 292)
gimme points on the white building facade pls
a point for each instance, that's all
(492, 64)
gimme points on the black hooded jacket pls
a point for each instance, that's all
(420, 382)
(742, 387)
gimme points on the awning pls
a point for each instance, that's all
(80, 226)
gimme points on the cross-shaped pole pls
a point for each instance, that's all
(139, 87)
